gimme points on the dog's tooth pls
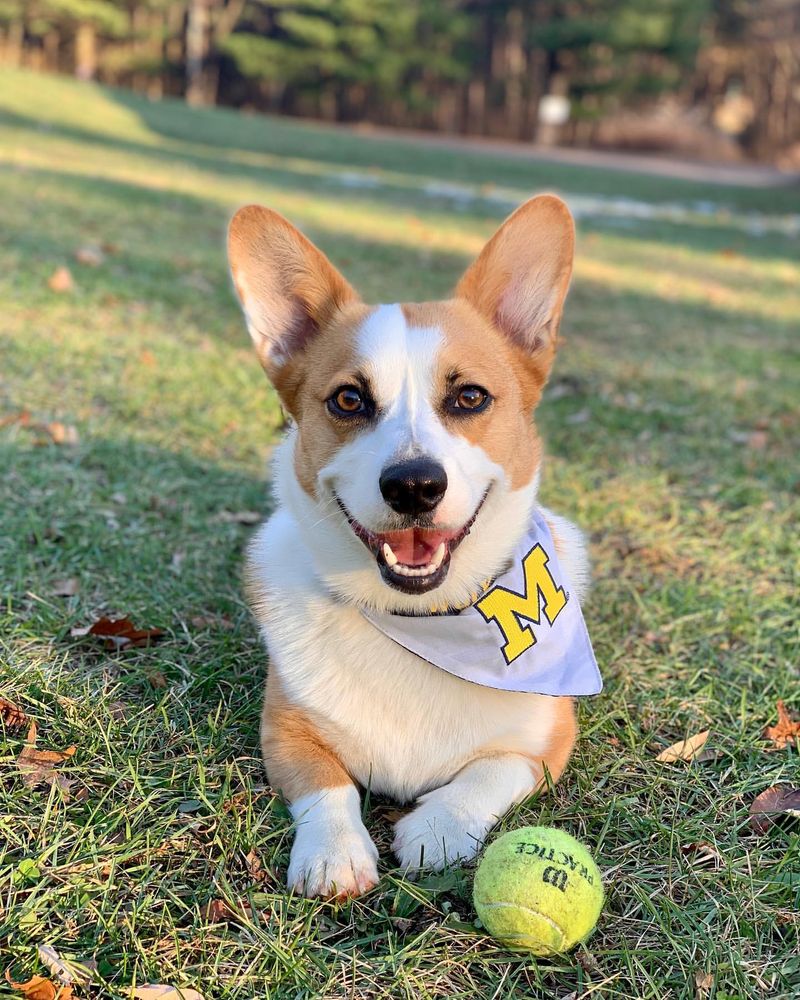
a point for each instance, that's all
(438, 556)
(388, 555)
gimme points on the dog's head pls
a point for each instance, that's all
(414, 454)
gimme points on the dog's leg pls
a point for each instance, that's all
(332, 854)
(451, 822)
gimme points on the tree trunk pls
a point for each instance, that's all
(197, 40)
(14, 42)
(85, 51)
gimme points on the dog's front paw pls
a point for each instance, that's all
(435, 834)
(333, 864)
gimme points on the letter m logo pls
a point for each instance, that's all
(508, 608)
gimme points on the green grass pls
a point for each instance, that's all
(672, 427)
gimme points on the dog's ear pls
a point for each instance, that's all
(289, 290)
(520, 280)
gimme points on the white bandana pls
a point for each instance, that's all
(525, 633)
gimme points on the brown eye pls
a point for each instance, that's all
(471, 397)
(347, 401)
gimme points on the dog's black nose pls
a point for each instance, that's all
(413, 487)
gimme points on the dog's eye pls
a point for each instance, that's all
(472, 398)
(347, 401)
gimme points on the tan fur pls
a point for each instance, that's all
(296, 755)
(565, 731)
(482, 356)
(520, 279)
(289, 288)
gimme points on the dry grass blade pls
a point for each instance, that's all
(686, 749)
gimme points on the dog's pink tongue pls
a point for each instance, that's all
(415, 546)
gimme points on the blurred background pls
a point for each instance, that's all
(711, 79)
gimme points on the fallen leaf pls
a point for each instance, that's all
(255, 866)
(217, 911)
(785, 731)
(65, 588)
(61, 280)
(12, 716)
(772, 805)
(37, 766)
(156, 678)
(703, 982)
(686, 749)
(212, 621)
(119, 633)
(39, 988)
(91, 255)
(60, 433)
(702, 853)
(240, 516)
(65, 971)
(155, 991)
(23, 418)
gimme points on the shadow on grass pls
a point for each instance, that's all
(142, 532)
(298, 158)
(162, 267)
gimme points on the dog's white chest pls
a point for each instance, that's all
(399, 725)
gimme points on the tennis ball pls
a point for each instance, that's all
(538, 889)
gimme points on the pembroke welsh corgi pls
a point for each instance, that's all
(420, 609)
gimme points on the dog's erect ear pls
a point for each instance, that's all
(288, 288)
(520, 279)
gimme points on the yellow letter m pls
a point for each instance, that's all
(507, 607)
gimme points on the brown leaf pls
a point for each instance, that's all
(703, 982)
(772, 805)
(217, 911)
(61, 280)
(61, 433)
(12, 716)
(700, 852)
(91, 255)
(37, 766)
(23, 418)
(119, 633)
(39, 988)
(155, 991)
(785, 731)
(240, 517)
(65, 588)
(686, 749)
(255, 866)
(212, 621)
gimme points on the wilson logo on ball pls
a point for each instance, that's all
(556, 877)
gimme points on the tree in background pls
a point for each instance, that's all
(485, 67)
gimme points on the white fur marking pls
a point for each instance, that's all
(451, 822)
(332, 854)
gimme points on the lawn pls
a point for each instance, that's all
(672, 426)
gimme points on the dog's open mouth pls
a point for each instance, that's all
(416, 559)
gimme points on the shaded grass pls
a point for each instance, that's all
(672, 424)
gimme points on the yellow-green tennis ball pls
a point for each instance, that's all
(538, 889)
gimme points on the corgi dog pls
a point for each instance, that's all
(405, 486)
